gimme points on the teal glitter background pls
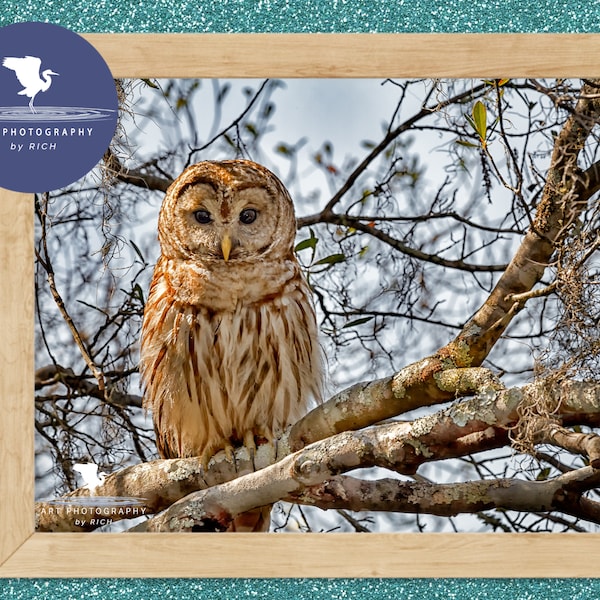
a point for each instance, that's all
(302, 589)
(310, 16)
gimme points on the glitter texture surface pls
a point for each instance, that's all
(302, 589)
(311, 16)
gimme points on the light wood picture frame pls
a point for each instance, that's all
(24, 553)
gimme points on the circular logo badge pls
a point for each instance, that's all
(58, 107)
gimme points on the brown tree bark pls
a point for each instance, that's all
(472, 425)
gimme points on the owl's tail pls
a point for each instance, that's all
(256, 520)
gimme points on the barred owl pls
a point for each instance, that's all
(229, 349)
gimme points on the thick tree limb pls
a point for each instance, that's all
(562, 202)
(586, 444)
(366, 403)
(392, 495)
(309, 477)
(469, 426)
(590, 181)
(157, 484)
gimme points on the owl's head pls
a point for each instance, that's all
(227, 211)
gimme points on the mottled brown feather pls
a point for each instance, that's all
(228, 347)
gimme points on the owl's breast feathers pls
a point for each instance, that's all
(232, 285)
(227, 352)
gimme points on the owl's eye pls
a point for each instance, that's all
(203, 217)
(248, 215)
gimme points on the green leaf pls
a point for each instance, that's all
(252, 129)
(496, 82)
(284, 149)
(230, 141)
(332, 259)
(268, 110)
(151, 84)
(480, 120)
(137, 251)
(223, 92)
(357, 322)
(467, 144)
(543, 474)
(310, 242)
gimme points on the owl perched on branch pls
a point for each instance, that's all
(229, 350)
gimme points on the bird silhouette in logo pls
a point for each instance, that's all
(91, 476)
(27, 70)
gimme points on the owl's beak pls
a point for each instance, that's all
(226, 247)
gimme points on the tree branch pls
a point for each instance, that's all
(586, 444)
(134, 176)
(392, 495)
(469, 426)
(358, 223)
(416, 385)
(54, 374)
(390, 137)
(46, 262)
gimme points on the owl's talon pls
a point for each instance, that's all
(204, 460)
(249, 442)
(250, 445)
(229, 453)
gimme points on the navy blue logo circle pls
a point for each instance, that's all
(58, 107)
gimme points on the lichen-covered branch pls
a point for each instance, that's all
(451, 499)
(466, 427)
(157, 484)
(586, 444)
(363, 404)
(563, 200)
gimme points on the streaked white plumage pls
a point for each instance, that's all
(229, 350)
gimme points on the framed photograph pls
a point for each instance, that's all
(488, 137)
